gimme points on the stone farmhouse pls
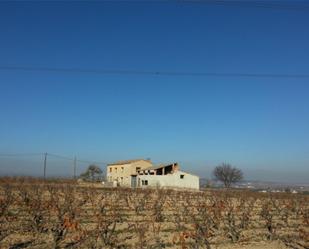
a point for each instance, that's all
(142, 174)
(120, 172)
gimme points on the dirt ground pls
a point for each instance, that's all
(256, 245)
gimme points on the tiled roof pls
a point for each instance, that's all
(128, 161)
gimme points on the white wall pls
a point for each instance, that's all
(171, 180)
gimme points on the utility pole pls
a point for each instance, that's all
(45, 162)
(74, 169)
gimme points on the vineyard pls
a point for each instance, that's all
(63, 214)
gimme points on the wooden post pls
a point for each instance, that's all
(74, 169)
(45, 163)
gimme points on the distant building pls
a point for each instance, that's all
(119, 173)
(169, 176)
(263, 191)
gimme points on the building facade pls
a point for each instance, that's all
(121, 172)
(166, 176)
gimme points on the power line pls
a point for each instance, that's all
(282, 5)
(52, 155)
(91, 162)
(302, 6)
(21, 154)
(46, 157)
(151, 73)
(61, 157)
(75, 159)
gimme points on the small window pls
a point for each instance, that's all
(116, 169)
(122, 169)
(110, 169)
(182, 176)
(144, 182)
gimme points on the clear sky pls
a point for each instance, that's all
(258, 124)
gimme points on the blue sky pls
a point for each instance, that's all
(258, 124)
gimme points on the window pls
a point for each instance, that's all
(182, 176)
(144, 182)
(122, 169)
(116, 169)
(110, 169)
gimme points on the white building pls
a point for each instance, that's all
(166, 176)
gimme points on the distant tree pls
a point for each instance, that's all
(287, 190)
(93, 173)
(208, 183)
(227, 174)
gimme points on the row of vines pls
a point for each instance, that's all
(65, 215)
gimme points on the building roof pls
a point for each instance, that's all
(158, 166)
(128, 161)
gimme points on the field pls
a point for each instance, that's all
(64, 214)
